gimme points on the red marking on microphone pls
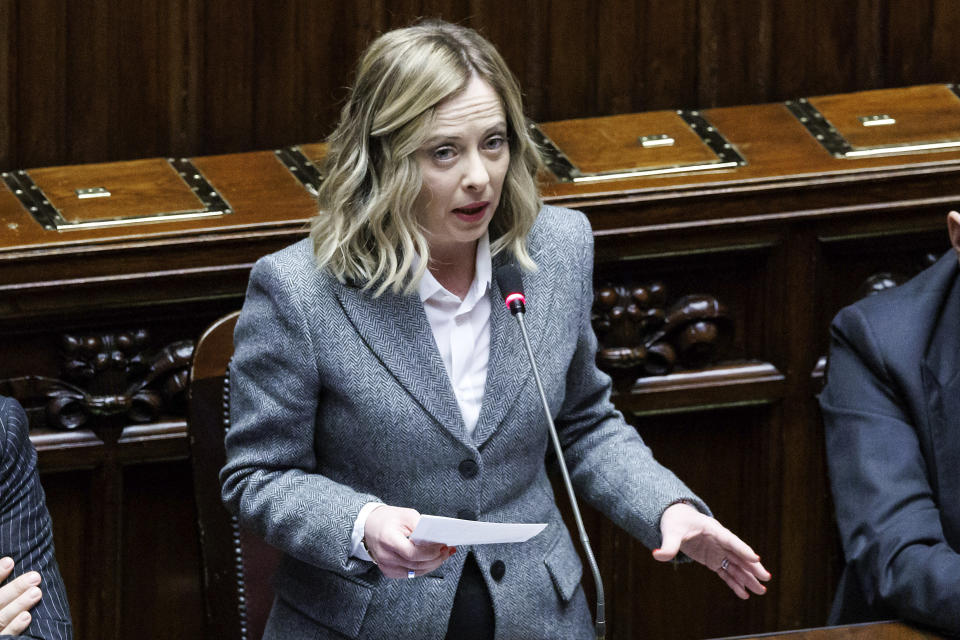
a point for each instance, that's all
(513, 297)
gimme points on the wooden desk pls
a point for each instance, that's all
(869, 631)
(745, 265)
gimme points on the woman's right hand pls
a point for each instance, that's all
(386, 534)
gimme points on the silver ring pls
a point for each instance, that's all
(411, 574)
(724, 564)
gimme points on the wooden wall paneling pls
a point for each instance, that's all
(158, 519)
(409, 10)
(41, 95)
(618, 68)
(722, 456)
(570, 74)
(95, 126)
(668, 69)
(400, 13)
(519, 31)
(736, 277)
(326, 39)
(107, 80)
(228, 78)
(184, 98)
(77, 549)
(909, 50)
(871, 54)
(805, 525)
(945, 52)
(852, 263)
(158, 64)
(815, 46)
(131, 557)
(730, 456)
(735, 51)
(278, 113)
(8, 82)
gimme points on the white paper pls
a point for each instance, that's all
(455, 532)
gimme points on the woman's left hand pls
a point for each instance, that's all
(711, 544)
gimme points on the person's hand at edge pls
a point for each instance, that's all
(711, 544)
(17, 598)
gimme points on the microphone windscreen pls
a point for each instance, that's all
(509, 280)
(511, 287)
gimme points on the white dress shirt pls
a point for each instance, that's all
(461, 329)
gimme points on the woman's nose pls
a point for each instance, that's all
(475, 175)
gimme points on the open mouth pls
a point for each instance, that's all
(473, 210)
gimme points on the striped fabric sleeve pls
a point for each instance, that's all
(26, 533)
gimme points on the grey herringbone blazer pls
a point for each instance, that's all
(339, 399)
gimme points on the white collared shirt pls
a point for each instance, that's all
(461, 329)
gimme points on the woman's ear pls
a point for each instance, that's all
(953, 226)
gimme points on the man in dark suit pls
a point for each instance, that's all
(892, 414)
(33, 601)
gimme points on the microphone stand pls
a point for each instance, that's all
(601, 622)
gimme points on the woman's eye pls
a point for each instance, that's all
(443, 153)
(495, 142)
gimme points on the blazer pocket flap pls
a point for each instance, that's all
(564, 567)
(335, 601)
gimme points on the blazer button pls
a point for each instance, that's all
(466, 514)
(468, 469)
(497, 569)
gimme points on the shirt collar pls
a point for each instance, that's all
(483, 269)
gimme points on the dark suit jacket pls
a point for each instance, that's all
(338, 399)
(26, 534)
(892, 413)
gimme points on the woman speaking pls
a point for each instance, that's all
(378, 375)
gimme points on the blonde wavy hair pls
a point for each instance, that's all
(367, 229)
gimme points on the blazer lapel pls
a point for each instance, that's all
(396, 330)
(940, 373)
(509, 369)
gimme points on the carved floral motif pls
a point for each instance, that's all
(109, 375)
(641, 335)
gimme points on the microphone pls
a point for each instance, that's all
(511, 287)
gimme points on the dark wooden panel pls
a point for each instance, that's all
(570, 76)
(94, 128)
(277, 81)
(42, 103)
(68, 500)
(669, 67)
(519, 30)
(649, 599)
(160, 541)
(228, 75)
(734, 56)
(816, 46)
(107, 80)
(869, 44)
(869, 631)
(159, 64)
(944, 53)
(909, 50)
(850, 266)
(8, 83)
(618, 76)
